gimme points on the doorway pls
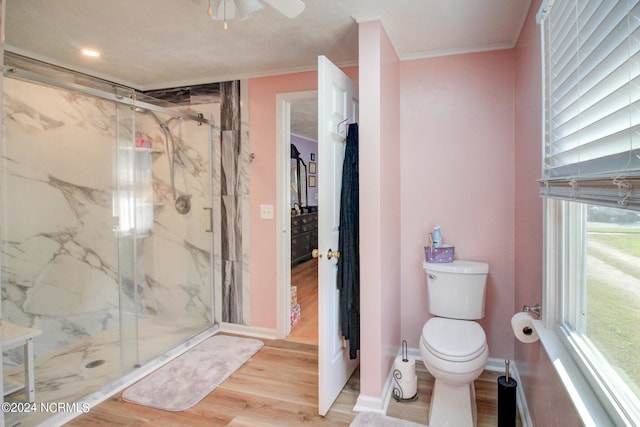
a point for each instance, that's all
(297, 199)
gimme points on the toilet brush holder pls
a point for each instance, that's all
(507, 387)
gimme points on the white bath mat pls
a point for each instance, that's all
(373, 419)
(187, 379)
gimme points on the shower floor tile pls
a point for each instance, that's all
(89, 365)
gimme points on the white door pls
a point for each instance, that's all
(337, 105)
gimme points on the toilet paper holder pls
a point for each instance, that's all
(405, 387)
(536, 309)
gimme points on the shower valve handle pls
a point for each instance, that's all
(210, 230)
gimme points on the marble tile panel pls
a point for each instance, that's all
(62, 201)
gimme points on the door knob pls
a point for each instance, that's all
(316, 254)
(333, 254)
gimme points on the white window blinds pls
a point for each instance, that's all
(592, 101)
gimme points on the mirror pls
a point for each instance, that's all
(298, 180)
(302, 188)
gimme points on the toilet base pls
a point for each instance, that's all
(453, 406)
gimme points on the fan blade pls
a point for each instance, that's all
(289, 8)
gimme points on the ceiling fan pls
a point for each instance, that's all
(240, 9)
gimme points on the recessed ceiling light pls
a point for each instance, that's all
(90, 52)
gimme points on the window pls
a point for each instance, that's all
(591, 185)
(597, 260)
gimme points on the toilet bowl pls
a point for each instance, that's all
(453, 346)
(455, 352)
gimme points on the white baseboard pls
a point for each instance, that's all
(373, 403)
(380, 404)
(369, 404)
(250, 331)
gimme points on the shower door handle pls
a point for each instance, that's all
(210, 230)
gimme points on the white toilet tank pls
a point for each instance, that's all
(457, 289)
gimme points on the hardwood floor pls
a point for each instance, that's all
(278, 386)
(305, 277)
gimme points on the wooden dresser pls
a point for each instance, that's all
(304, 236)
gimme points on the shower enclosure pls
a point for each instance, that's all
(107, 229)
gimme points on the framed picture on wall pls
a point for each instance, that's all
(313, 156)
(312, 181)
(312, 167)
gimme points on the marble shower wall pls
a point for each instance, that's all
(62, 252)
(231, 192)
(234, 192)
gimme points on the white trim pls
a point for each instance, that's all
(283, 224)
(249, 331)
(544, 10)
(450, 52)
(376, 404)
(297, 135)
(593, 406)
(381, 17)
(497, 365)
(282, 208)
(369, 404)
(586, 402)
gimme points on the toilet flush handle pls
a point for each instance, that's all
(432, 276)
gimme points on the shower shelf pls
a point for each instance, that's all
(142, 150)
(16, 336)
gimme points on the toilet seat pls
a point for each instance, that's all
(454, 340)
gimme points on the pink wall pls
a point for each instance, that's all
(468, 137)
(457, 157)
(379, 206)
(547, 399)
(262, 134)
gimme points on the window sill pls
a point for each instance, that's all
(586, 402)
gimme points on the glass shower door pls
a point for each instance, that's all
(164, 198)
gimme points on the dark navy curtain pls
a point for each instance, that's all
(349, 262)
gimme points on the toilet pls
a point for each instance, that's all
(454, 347)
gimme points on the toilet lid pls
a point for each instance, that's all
(454, 340)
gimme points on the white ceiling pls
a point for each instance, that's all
(152, 44)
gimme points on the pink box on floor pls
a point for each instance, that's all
(294, 296)
(295, 314)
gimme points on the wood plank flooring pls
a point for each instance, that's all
(278, 386)
(305, 277)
